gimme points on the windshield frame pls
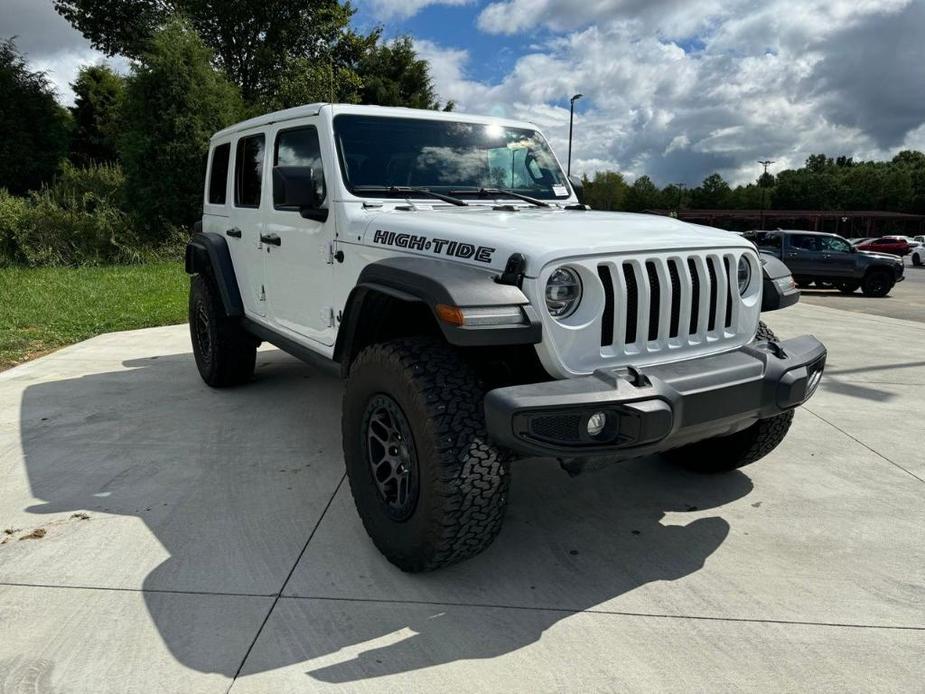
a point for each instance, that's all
(474, 198)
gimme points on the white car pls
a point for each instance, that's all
(918, 250)
(445, 267)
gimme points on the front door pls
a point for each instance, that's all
(299, 269)
(837, 255)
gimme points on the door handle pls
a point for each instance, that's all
(234, 233)
(271, 239)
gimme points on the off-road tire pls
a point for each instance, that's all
(878, 283)
(225, 354)
(725, 453)
(462, 477)
(848, 287)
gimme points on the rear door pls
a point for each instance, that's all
(245, 222)
(299, 264)
(801, 255)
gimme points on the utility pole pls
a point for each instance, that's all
(680, 187)
(571, 122)
(761, 182)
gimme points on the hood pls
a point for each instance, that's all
(486, 237)
(881, 256)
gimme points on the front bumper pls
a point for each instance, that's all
(658, 407)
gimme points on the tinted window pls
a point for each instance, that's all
(218, 179)
(299, 148)
(763, 239)
(248, 171)
(805, 243)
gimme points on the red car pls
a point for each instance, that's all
(897, 245)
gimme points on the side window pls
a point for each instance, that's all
(218, 178)
(300, 147)
(804, 243)
(768, 241)
(834, 245)
(248, 171)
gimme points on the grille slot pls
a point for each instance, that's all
(695, 295)
(632, 302)
(711, 269)
(607, 322)
(675, 299)
(729, 281)
(655, 299)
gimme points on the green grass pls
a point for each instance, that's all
(42, 309)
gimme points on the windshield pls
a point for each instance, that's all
(445, 156)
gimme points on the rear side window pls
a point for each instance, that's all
(218, 178)
(248, 171)
(299, 147)
(805, 243)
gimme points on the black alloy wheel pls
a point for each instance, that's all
(392, 457)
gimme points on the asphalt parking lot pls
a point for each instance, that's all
(163, 536)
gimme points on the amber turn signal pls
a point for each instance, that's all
(450, 314)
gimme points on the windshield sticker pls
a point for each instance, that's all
(559, 190)
(445, 247)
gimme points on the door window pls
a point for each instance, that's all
(218, 178)
(248, 171)
(803, 243)
(300, 147)
(833, 245)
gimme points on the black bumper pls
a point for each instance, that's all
(659, 407)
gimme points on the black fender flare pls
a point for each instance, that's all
(431, 281)
(208, 253)
(773, 297)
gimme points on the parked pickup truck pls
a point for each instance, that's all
(828, 258)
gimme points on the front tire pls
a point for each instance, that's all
(878, 283)
(428, 484)
(916, 259)
(726, 453)
(225, 354)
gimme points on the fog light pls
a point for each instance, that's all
(596, 424)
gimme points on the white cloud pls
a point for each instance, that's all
(50, 44)
(402, 9)
(762, 79)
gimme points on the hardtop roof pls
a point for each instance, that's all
(383, 111)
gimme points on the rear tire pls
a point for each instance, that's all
(428, 484)
(725, 453)
(225, 353)
(878, 283)
(916, 259)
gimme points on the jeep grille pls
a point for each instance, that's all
(653, 304)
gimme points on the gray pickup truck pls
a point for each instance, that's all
(828, 259)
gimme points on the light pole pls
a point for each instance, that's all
(680, 187)
(761, 182)
(571, 121)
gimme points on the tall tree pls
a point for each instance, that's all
(35, 129)
(712, 194)
(607, 191)
(97, 91)
(643, 195)
(392, 74)
(254, 41)
(174, 101)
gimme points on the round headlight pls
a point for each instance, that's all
(745, 274)
(563, 292)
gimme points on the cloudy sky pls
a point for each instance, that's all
(675, 89)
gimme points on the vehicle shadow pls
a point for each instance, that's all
(230, 483)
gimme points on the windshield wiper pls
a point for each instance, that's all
(488, 192)
(404, 190)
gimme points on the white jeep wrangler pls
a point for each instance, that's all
(444, 265)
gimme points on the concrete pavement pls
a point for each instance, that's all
(221, 549)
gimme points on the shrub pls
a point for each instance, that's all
(78, 220)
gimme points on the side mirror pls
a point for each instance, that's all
(295, 188)
(578, 188)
